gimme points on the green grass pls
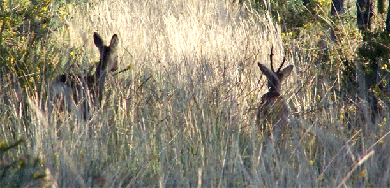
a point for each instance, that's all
(183, 115)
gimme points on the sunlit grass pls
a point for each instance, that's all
(183, 114)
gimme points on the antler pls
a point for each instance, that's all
(271, 57)
(281, 65)
(272, 61)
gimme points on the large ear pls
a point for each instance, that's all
(271, 76)
(98, 41)
(114, 42)
(286, 72)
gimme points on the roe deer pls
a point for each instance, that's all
(87, 90)
(273, 109)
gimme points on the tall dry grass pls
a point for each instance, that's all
(184, 113)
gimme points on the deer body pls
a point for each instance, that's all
(87, 90)
(273, 112)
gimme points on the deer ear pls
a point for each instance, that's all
(286, 72)
(268, 72)
(98, 40)
(114, 41)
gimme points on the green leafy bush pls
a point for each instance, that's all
(24, 33)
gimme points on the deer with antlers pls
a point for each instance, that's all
(273, 112)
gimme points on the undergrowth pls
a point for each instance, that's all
(182, 112)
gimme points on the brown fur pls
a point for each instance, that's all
(273, 109)
(88, 89)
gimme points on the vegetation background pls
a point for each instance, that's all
(183, 114)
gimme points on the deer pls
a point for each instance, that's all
(273, 112)
(80, 92)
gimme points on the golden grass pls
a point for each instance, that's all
(183, 115)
